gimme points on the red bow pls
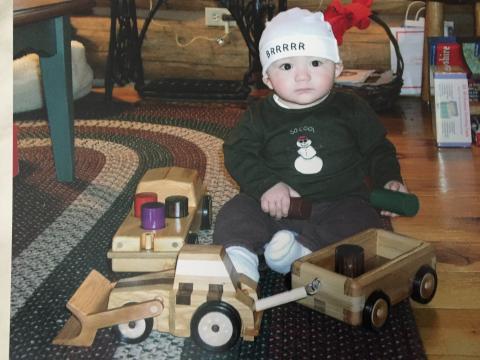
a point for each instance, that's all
(342, 18)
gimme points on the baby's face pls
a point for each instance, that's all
(302, 81)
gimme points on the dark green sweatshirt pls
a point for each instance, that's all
(324, 152)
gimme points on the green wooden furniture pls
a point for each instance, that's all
(42, 26)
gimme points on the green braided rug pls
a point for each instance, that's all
(62, 231)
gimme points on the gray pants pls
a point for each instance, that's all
(241, 222)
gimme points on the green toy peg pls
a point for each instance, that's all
(395, 201)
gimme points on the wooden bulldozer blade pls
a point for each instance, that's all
(89, 311)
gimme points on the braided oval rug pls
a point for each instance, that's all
(63, 231)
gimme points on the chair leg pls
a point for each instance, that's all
(57, 85)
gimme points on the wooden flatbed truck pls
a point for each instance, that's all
(395, 267)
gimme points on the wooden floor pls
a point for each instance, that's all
(447, 182)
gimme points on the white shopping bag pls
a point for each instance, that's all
(410, 39)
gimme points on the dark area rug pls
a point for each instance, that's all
(62, 231)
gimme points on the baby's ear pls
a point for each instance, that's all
(266, 81)
(338, 69)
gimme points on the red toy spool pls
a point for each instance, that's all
(142, 198)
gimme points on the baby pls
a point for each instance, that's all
(303, 140)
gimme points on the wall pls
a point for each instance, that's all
(181, 21)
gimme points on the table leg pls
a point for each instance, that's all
(477, 18)
(57, 85)
(124, 61)
(250, 16)
(111, 50)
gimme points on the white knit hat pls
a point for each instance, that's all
(297, 32)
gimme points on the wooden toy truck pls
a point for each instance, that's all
(205, 298)
(395, 267)
(187, 209)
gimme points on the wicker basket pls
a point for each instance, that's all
(381, 97)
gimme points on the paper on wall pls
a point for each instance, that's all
(410, 42)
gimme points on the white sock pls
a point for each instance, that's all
(244, 261)
(283, 250)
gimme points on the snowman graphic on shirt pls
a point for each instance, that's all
(308, 162)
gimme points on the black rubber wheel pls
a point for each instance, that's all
(134, 332)
(206, 213)
(376, 310)
(192, 238)
(216, 326)
(424, 285)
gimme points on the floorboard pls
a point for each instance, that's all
(447, 182)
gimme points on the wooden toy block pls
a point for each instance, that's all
(395, 268)
(397, 202)
(300, 208)
(186, 209)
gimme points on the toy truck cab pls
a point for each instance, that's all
(187, 208)
(205, 299)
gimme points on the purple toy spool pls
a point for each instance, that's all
(153, 216)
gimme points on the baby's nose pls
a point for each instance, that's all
(302, 74)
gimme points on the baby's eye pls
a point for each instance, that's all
(316, 63)
(286, 66)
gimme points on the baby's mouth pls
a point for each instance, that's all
(302, 90)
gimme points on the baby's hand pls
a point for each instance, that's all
(293, 192)
(276, 200)
(394, 185)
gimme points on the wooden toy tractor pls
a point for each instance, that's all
(170, 205)
(355, 280)
(205, 298)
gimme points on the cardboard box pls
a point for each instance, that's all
(451, 110)
(458, 51)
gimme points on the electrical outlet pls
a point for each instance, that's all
(213, 17)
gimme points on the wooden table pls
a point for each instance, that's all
(42, 26)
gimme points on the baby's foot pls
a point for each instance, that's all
(283, 250)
